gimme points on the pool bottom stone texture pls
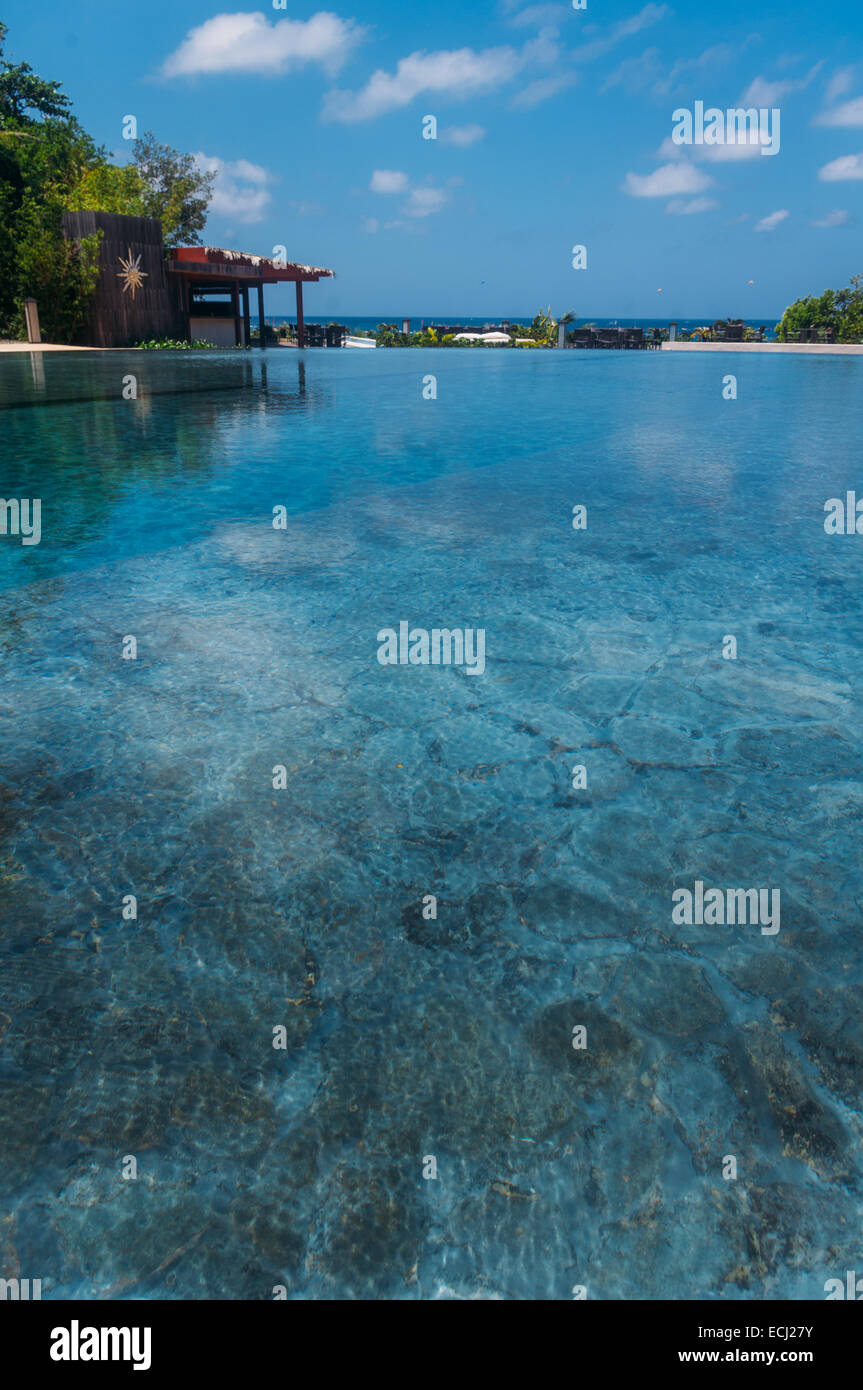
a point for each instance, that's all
(501, 1070)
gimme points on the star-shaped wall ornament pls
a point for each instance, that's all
(132, 275)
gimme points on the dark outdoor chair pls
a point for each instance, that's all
(633, 338)
(583, 337)
(802, 335)
(734, 332)
(314, 335)
(609, 338)
(335, 335)
(830, 335)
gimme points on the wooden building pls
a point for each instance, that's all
(189, 292)
(209, 276)
(130, 304)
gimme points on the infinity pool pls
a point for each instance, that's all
(333, 978)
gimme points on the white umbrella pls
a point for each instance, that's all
(481, 337)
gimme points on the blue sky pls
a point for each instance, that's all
(553, 127)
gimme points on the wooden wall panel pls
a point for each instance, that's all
(117, 318)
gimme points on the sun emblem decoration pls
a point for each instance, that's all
(132, 275)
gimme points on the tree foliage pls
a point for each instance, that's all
(22, 92)
(542, 331)
(49, 165)
(109, 188)
(174, 189)
(42, 157)
(838, 310)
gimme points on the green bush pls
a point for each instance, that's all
(176, 345)
(839, 310)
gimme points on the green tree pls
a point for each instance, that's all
(21, 92)
(43, 153)
(48, 165)
(36, 177)
(174, 189)
(803, 313)
(543, 329)
(849, 304)
(109, 188)
(61, 275)
(390, 335)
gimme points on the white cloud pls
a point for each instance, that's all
(763, 93)
(750, 148)
(370, 225)
(839, 218)
(466, 72)
(540, 14)
(460, 72)
(240, 189)
(840, 83)
(250, 43)
(543, 51)
(635, 73)
(389, 181)
(540, 90)
(667, 181)
(425, 200)
(848, 166)
(462, 135)
(250, 173)
(850, 113)
(681, 208)
(422, 199)
(686, 69)
(624, 29)
(767, 224)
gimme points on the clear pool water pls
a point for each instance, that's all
(410, 1039)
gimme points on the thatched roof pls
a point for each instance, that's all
(218, 253)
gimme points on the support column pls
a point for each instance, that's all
(247, 322)
(301, 327)
(235, 310)
(262, 329)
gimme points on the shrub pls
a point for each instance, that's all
(176, 345)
